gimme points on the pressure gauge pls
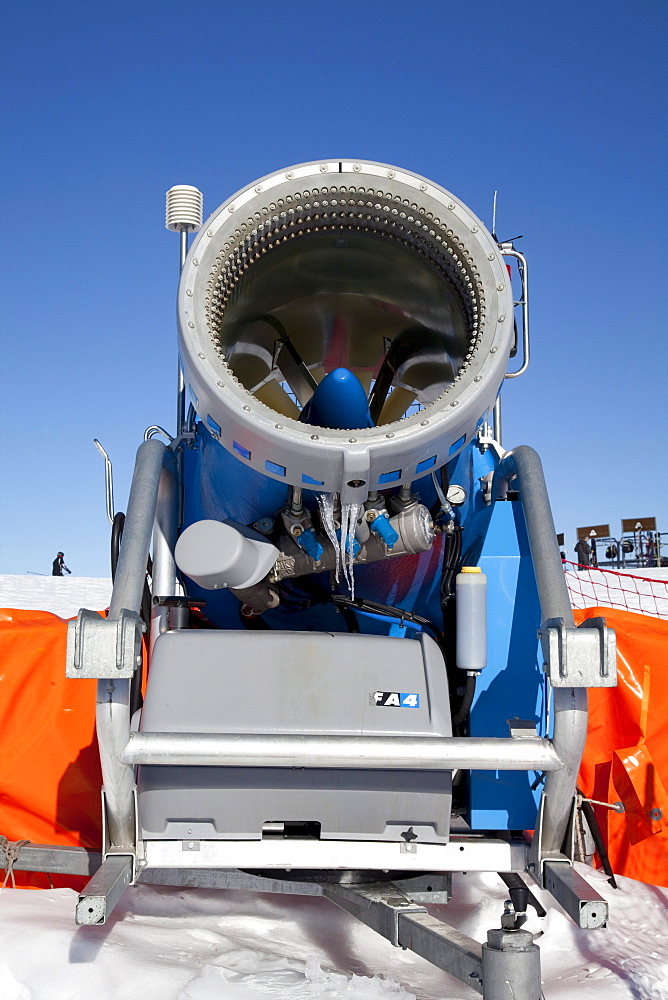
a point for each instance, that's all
(456, 495)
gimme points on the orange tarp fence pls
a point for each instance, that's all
(626, 757)
(50, 773)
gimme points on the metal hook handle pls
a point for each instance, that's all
(508, 251)
(108, 480)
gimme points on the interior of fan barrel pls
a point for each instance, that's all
(294, 303)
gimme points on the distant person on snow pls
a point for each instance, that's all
(583, 551)
(59, 565)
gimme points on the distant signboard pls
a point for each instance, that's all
(600, 531)
(560, 539)
(630, 524)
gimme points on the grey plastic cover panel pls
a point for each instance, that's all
(293, 682)
(242, 682)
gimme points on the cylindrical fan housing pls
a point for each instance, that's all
(344, 264)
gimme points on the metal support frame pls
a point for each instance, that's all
(378, 752)
(508, 965)
(582, 903)
(165, 531)
(431, 888)
(104, 889)
(461, 853)
(444, 946)
(56, 859)
(113, 695)
(570, 703)
(389, 912)
(378, 905)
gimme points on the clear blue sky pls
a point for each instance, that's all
(107, 103)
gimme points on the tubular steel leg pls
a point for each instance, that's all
(570, 734)
(113, 695)
(138, 528)
(164, 539)
(570, 704)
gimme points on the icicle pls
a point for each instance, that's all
(343, 538)
(349, 515)
(326, 505)
(344, 545)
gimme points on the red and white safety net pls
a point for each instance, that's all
(593, 588)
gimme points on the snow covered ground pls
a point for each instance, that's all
(166, 943)
(61, 595)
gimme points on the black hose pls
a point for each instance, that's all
(350, 618)
(452, 551)
(116, 536)
(375, 607)
(466, 702)
(592, 822)
(514, 882)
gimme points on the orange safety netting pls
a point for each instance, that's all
(589, 586)
(50, 775)
(626, 756)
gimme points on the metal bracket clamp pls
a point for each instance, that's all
(487, 440)
(102, 647)
(581, 657)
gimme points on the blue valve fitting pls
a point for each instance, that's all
(381, 526)
(355, 546)
(308, 541)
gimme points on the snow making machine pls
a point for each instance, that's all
(363, 671)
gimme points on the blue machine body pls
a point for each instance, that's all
(493, 537)
(513, 683)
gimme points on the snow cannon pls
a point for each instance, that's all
(363, 671)
(355, 267)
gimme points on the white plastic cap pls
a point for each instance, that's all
(184, 205)
(216, 555)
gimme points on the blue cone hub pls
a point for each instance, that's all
(338, 402)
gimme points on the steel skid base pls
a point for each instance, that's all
(506, 967)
